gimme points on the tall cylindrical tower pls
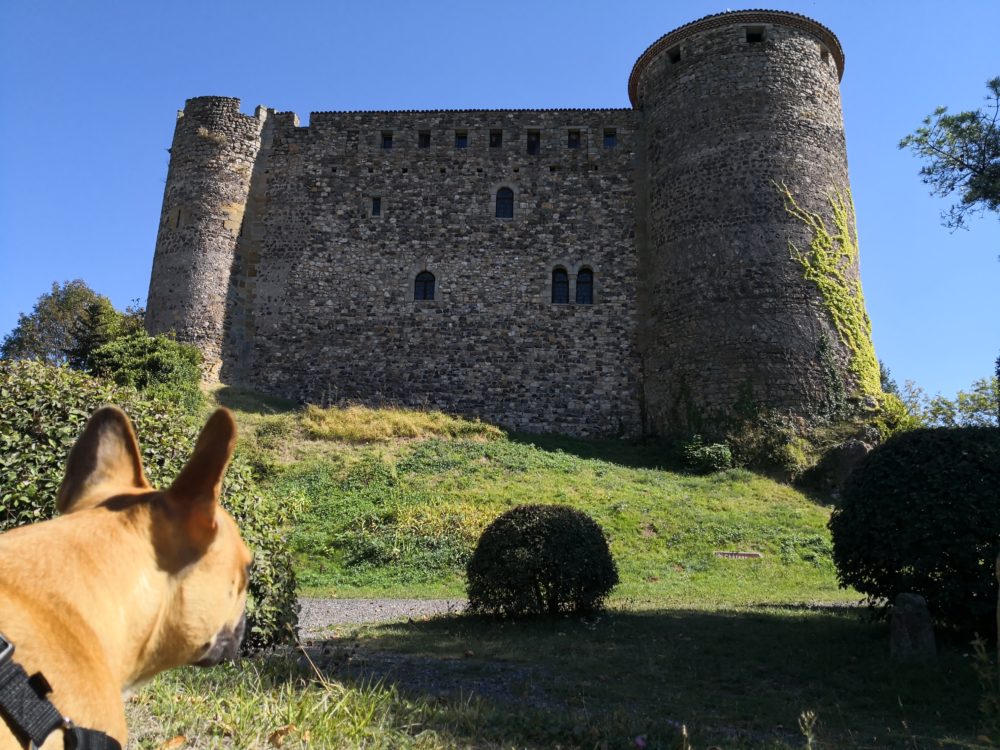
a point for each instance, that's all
(752, 295)
(211, 161)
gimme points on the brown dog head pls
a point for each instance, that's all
(198, 587)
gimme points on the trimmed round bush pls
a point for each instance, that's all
(42, 411)
(922, 515)
(540, 559)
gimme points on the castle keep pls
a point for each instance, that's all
(584, 271)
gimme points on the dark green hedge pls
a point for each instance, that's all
(42, 411)
(922, 515)
(540, 559)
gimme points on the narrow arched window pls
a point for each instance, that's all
(423, 287)
(585, 287)
(505, 203)
(560, 286)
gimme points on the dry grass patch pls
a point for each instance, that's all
(359, 424)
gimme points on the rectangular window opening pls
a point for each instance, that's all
(755, 35)
(461, 139)
(424, 139)
(573, 139)
(534, 142)
(824, 54)
(674, 55)
(496, 138)
(610, 137)
(386, 139)
(376, 205)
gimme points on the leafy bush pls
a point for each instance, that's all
(537, 559)
(42, 411)
(157, 364)
(894, 417)
(704, 458)
(920, 515)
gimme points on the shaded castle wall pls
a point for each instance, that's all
(323, 292)
(728, 314)
(211, 161)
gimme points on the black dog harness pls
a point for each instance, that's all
(31, 716)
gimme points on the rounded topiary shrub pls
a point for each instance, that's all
(540, 559)
(42, 411)
(922, 515)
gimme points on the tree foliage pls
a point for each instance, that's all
(976, 407)
(962, 153)
(49, 330)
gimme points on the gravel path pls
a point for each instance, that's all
(316, 615)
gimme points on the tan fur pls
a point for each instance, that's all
(129, 580)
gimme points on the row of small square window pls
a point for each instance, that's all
(574, 139)
(423, 286)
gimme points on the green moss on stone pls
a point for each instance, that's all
(830, 263)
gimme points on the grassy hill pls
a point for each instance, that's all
(392, 503)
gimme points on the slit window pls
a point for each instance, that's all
(534, 142)
(376, 205)
(424, 139)
(423, 286)
(560, 287)
(505, 203)
(496, 138)
(824, 54)
(573, 139)
(386, 139)
(755, 35)
(585, 287)
(610, 137)
(461, 139)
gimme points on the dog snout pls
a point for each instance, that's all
(226, 646)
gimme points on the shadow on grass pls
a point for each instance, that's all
(633, 454)
(735, 679)
(241, 399)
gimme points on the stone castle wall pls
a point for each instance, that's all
(211, 159)
(736, 105)
(324, 291)
(270, 259)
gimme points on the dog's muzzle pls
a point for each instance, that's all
(226, 646)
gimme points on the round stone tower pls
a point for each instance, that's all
(211, 161)
(745, 172)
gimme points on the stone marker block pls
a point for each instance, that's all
(912, 635)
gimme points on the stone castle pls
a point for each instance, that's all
(593, 272)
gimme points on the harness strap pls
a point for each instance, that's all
(89, 739)
(31, 716)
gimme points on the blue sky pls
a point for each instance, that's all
(90, 91)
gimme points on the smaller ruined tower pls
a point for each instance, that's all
(211, 160)
(749, 262)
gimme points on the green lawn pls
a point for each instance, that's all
(736, 653)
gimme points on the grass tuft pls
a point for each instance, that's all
(359, 424)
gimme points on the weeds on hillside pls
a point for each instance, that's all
(358, 424)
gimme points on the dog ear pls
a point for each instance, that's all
(195, 492)
(105, 453)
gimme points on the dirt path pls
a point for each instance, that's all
(316, 615)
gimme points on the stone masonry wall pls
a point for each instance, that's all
(325, 291)
(211, 160)
(729, 316)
